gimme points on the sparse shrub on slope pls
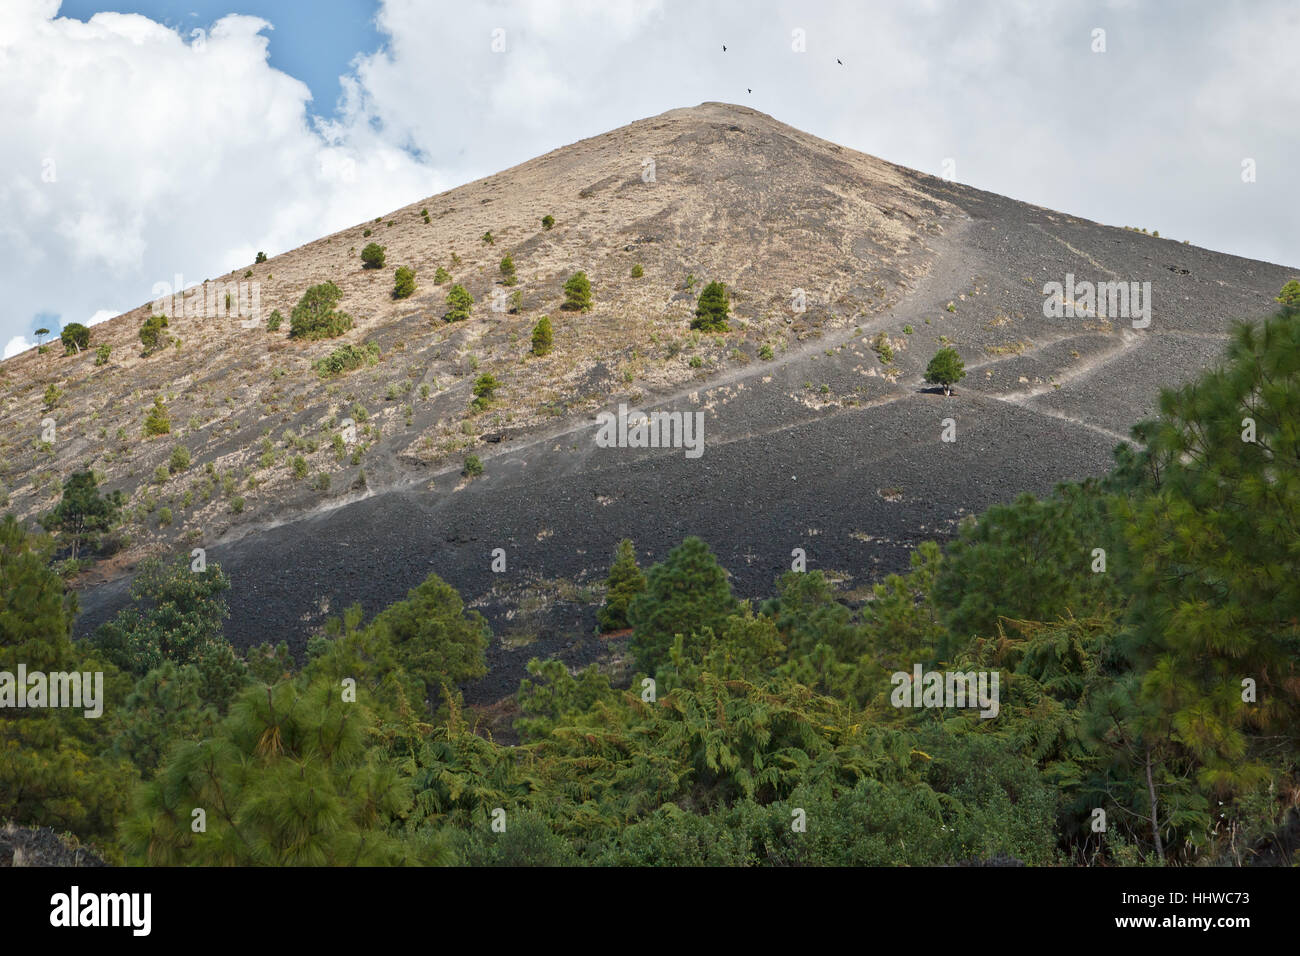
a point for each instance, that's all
(151, 333)
(508, 270)
(577, 293)
(75, 338)
(274, 320)
(712, 308)
(548, 222)
(459, 304)
(441, 277)
(946, 369)
(404, 283)
(157, 421)
(372, 256)
(542, 336)
(345, 358)
(314, 317)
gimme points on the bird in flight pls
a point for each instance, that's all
(724, 48)
(837, 59)
(748, 90)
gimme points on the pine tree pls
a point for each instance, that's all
(82, 514)
(946, 368)
(577, 293)
(625, 582)
(542, 336)
(712, 308)
(685, 593)
(404, 283)
(157, 421)
(459, 304)
(508, 270)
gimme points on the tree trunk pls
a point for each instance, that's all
(1155, 821)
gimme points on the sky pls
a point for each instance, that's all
(144, 140)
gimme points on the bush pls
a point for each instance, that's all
(372, 256)
(637, 271)
(441, 276)
(484, 389)
(151, 333)
(946, 369)
(459, 304)
(765, 353)
(577, 293)
(508, 269)
(488, 238)
(314, 317)
(261, 257)
(299, 465)
(404, 285)
(1290, 295)
(102, 353)
(52, 395)
(880, 345)
(180, 459)
(548, 222)
(712, 308)
(345, 358)
(273, 322)
(164, 517)
(542, 336)
(625, 582)
(75, 338)
(473, 467)
(157, 421)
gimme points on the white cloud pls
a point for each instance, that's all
(132, 153)
(17, 344)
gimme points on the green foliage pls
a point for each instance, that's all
(638, 271)
(372, 256)
(548, 221)
(102, 352)
(485, 387)
(542, 336)
(346, 358)
(52, 395)
(473, 466)
(577, 293)
(459, 304)
(441, 276)
(75, 338)
(315, 316)
(1290, 295)
(82, 515)
(179, 460)
(273, 321)
(157, 421)
(176, 615)
(404, 283)
(765, 353)
(712, 308)
(261, 257)
(151, 333)
(508, 270)
(625, 582)
(53, 767)
(287, 779)
(946, 368)
(684, 594)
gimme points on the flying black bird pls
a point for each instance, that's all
(748, 90)
(837, 59)
(724, 48)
